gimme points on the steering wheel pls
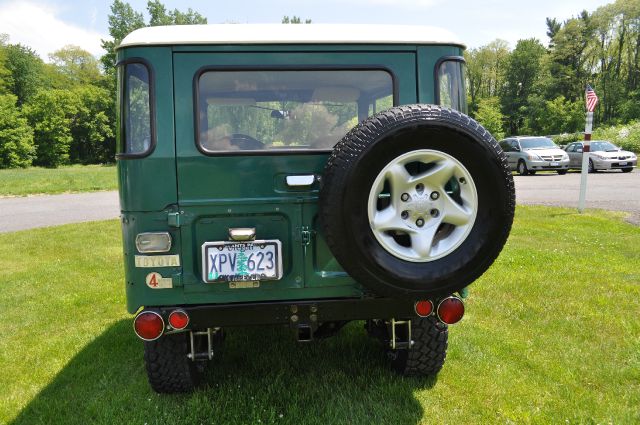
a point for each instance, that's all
(246, 142)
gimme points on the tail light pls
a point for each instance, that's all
(450, 310)
(178, 319)
(424, 308)
(148, 325)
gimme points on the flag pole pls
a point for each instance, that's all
(585, 161)
(591, 101)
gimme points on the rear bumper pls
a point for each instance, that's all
(292, 313)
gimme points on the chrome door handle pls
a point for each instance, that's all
(299, 181)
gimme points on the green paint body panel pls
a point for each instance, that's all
(197, 197)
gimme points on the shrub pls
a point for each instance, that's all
(16, 137)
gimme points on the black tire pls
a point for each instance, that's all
(591, 168)
(627, 170)
(522, 168)
(427, 355)
(531, 172)
(562, 172)
(364, 152)
(168, 368)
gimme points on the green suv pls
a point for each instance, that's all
(303, 176)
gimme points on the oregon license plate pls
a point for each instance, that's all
(241, 261)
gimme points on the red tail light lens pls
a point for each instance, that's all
(424, 308)
(178, 319)
(450, 310)
(148, 325)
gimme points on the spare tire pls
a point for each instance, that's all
(417, 201)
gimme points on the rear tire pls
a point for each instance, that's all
(168, 368)
(427, 355)
(592, 169)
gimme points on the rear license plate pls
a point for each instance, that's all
(241, 261)
(554, 164)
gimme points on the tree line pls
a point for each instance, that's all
(538, 89)
(63, 111)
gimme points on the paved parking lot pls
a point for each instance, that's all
(610, 190)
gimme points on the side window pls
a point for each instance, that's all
(451, 84)
(135, 110)
(515, 147)
(571, 148)
(505, 145)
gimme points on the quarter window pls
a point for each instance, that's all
(136, 135)
(267, 110)
(451, 85)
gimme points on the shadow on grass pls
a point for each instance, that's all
(263, 376)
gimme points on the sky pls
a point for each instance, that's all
(47, 25)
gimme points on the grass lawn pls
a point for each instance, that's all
(551, 335)
(73, 178)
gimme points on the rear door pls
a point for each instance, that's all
(253, 133)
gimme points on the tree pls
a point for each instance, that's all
(486, 68)
(490, 117)
(25, 71)
(122, 20)
(159, 16)
(16, 136)
(523, 68)
(50, 115)
(294, 20)
(74, 66)
(92, 128)
(555, 116)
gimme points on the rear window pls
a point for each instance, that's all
(136, 131)
(286, 109)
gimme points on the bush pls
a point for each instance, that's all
(626, 136)
(16, 137)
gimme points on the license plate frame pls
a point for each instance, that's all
(255, 269)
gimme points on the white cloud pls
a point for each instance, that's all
(37, 26)
(405, 4)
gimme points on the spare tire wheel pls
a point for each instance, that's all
(417, 201)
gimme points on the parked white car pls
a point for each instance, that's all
(603, 155)
(527, 155)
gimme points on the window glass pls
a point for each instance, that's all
(270, 110)
(135, 121)
(452, 85)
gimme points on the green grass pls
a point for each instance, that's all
(551, 335)
(74, 178)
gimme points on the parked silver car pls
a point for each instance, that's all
(527, 155)
(603, 156)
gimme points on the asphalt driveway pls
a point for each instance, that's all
(606, 190)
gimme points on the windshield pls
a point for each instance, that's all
(538, 143)
(259, 110)
(603, 147)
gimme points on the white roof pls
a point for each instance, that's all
(289, 34)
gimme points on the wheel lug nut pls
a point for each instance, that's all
(420, 222)
(405, 197)
(419, 187)
(434, 212)
(435, 195)
(463, 180)
(405, 215)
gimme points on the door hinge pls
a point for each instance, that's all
(174, 219)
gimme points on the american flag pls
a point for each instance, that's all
(592, 99)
